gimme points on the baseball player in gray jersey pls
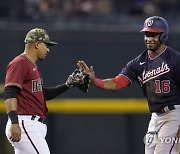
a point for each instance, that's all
(157, 72)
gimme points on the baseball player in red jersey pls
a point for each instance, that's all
(25, 96)
(157, 72)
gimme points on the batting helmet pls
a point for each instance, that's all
(157, 24)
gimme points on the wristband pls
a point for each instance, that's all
(13, 116)
(98, 82)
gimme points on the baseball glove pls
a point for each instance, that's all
(79, 79)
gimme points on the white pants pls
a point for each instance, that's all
(162, 135)
(33, 135)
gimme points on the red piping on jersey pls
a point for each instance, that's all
(121, 81)
(29, 137)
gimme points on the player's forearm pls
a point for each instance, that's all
(106, 84)
(11, 108)
(11, 104)
(10, 94)
(116, 83)
(52, 92)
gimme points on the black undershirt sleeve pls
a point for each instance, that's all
(52, 92)
(11, 92)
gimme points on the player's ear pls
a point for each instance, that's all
(36, 45)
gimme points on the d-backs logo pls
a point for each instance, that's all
(148, 75)
(37, 85)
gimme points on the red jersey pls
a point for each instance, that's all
(23, 73)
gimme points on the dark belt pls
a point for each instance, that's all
(42, 120)
(166, 109)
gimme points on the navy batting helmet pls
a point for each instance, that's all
(157, 24)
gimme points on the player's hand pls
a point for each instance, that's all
(82, 65)
(78, 77)
(15, 133)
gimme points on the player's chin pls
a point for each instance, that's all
(150, 47)
(42, 58)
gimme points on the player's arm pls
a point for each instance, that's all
(10, 94)
(72, 81)
(115, 83)
(52, 92)
(106, 84)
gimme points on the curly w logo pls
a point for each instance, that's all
(149, 23)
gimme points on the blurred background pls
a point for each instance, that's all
(105, 34)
